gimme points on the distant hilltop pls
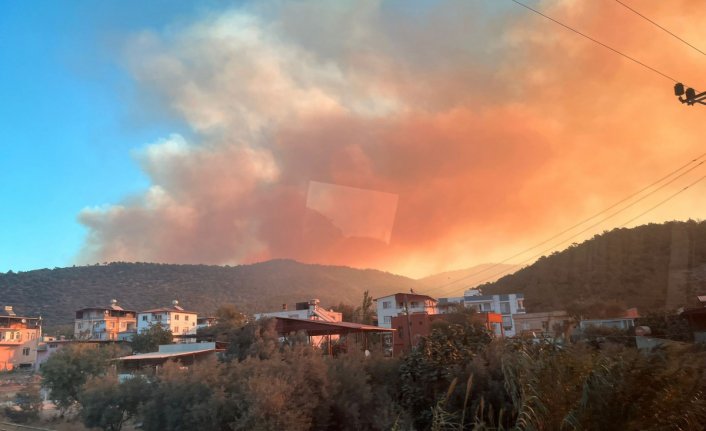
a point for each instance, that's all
(56, 293)
(651, 267)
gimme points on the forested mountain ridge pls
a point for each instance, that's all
(653, 267)
(55, 294)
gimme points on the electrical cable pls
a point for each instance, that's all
(634, 60)
(623, 225)
(587, 219)
(662, 202)
(659, 26)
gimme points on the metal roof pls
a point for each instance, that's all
(406, 295)
(163, 355)
(286, 325)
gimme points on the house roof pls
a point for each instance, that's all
(286, 325)
(163, 355)
(176, 309)
(110, 307)
(408, 296)
(11, 314)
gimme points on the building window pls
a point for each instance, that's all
(144, 318)
(507, 323)
(176, 317)
(520, 303)
(400, 305)
(387, 319)
(415, 304)
(504, 308)
(25, 351)
(386, 304)
(186, 317)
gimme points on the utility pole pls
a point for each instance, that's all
(690, 93)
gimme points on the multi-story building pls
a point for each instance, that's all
(507, 305)
(105, 323)
(19, 339)
(173, 318)
(411, 328)
(310, 310)
(403, 303)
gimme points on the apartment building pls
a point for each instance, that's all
(507, 305)
(174, 318)
(19, 339)
(109, 323)
(393, 305)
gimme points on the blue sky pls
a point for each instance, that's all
(69, 120)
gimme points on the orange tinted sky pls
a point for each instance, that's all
(492, 127)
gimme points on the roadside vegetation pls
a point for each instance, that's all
(459, 378)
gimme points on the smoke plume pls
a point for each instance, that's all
(412, 138)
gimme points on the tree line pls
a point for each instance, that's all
(459, 377)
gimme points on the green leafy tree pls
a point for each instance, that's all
(190, 399)
(349, 313)
(150, 340)
(108, 404)
(366, 309)
(66, 371)
(229, 321)
(27, 405)
(443, 356)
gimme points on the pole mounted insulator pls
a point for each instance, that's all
(689, 96)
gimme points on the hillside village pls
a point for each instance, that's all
(405, 318)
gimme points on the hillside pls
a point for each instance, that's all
(652, 267)
(453, 283)
(56, 293)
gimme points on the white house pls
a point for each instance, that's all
(507, 305)
(310, 310)
(173, 318)
(401, 303)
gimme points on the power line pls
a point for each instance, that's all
(659, 26)
(623, 225)
(634, 60)
(662, 202)
(587, 219)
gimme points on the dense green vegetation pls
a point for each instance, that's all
(458, 378)
(55, 294)
(652, 267)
